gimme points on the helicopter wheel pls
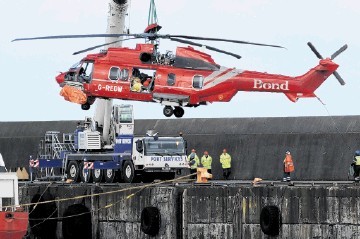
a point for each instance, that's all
(168, 111)
(85, 106)
(179, 112)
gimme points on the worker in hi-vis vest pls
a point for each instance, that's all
(288, 166)
(225, 160)
(136, 87)
(206, 161)
(356, 165)
(193, 160)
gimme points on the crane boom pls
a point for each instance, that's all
(115, 25)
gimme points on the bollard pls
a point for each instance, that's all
(203, 175)
(256, 181)
(25, 174)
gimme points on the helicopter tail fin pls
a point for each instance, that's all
(311, 80)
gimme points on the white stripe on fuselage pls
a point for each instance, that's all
(215, 74)
(223, 78)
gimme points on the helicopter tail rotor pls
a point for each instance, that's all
(335, 54)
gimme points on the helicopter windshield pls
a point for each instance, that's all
(164, 146)
(76, 65)
(80, 72)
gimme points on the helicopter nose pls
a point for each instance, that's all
(60, 78)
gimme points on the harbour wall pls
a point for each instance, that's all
(193, 211)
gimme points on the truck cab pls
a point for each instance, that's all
(153, 156)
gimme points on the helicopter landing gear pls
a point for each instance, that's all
(168, 111)
(178, 112)
(85, 106)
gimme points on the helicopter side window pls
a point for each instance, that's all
(124, 74)
(198, 82)
(171, 79)
(114, 73)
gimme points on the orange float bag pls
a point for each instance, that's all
(73, 94)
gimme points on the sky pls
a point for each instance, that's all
(28, 91)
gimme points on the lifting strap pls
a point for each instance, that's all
(152, 13)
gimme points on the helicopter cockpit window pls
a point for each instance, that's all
(198, 82)
(76, 65)
(85, 71)
(114, 73)
(171, 79)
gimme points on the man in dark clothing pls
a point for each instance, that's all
(356, 165)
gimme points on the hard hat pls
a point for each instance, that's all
(357, 153)
(288, 152)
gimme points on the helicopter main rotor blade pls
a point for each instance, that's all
(106, 44)
(150, 36)
(338, 52)
(79, 36)
(219, 39)
(202, 45)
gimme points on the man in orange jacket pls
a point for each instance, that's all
(288, 167)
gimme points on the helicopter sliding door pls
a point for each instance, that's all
(142, 80)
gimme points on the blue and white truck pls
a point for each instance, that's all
(84, 156)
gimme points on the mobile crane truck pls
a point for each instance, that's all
(84, 156)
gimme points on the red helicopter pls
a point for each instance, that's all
(188, 78)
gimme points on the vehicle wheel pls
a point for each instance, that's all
(85, 174)
(128, 172)
(147, 177)
(110, 175)
(85, 106)
(150, 221)
(270, 220)
(73, 171)
(168, 111)
(179, 112)
(97, 175)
